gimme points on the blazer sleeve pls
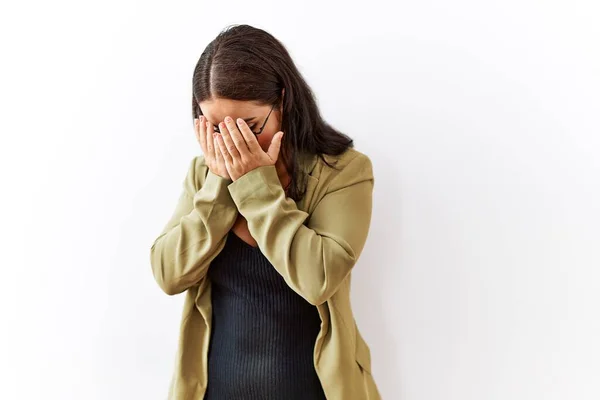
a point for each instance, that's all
(314, 259)
(194, 234)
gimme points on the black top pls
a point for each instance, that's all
(263, 333)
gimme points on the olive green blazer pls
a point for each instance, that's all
(313, 244)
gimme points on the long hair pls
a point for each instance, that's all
(248, 64)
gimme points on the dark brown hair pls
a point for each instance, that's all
(248, 64)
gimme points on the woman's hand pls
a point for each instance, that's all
(240, 149)
(210, 147)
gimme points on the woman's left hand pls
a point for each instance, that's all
(240, 149)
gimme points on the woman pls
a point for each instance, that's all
(264, 236)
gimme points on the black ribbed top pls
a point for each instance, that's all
(263, 333)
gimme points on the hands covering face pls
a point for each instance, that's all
(240, 150)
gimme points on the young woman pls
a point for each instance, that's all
(271, 220)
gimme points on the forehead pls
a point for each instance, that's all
(218, 109)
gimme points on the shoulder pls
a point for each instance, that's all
(350, 167)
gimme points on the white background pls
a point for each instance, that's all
(481, 275)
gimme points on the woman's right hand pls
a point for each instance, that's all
(214, 160)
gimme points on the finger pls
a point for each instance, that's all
(200, 132)
(224, 152)
(218, 155)
(249, 136)
(275, 146)
(210, 148)
(234, 140)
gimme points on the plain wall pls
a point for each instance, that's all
(481, 275)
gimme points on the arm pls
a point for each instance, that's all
(193, 236)
(313, 259)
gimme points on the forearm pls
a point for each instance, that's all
(181, 254)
